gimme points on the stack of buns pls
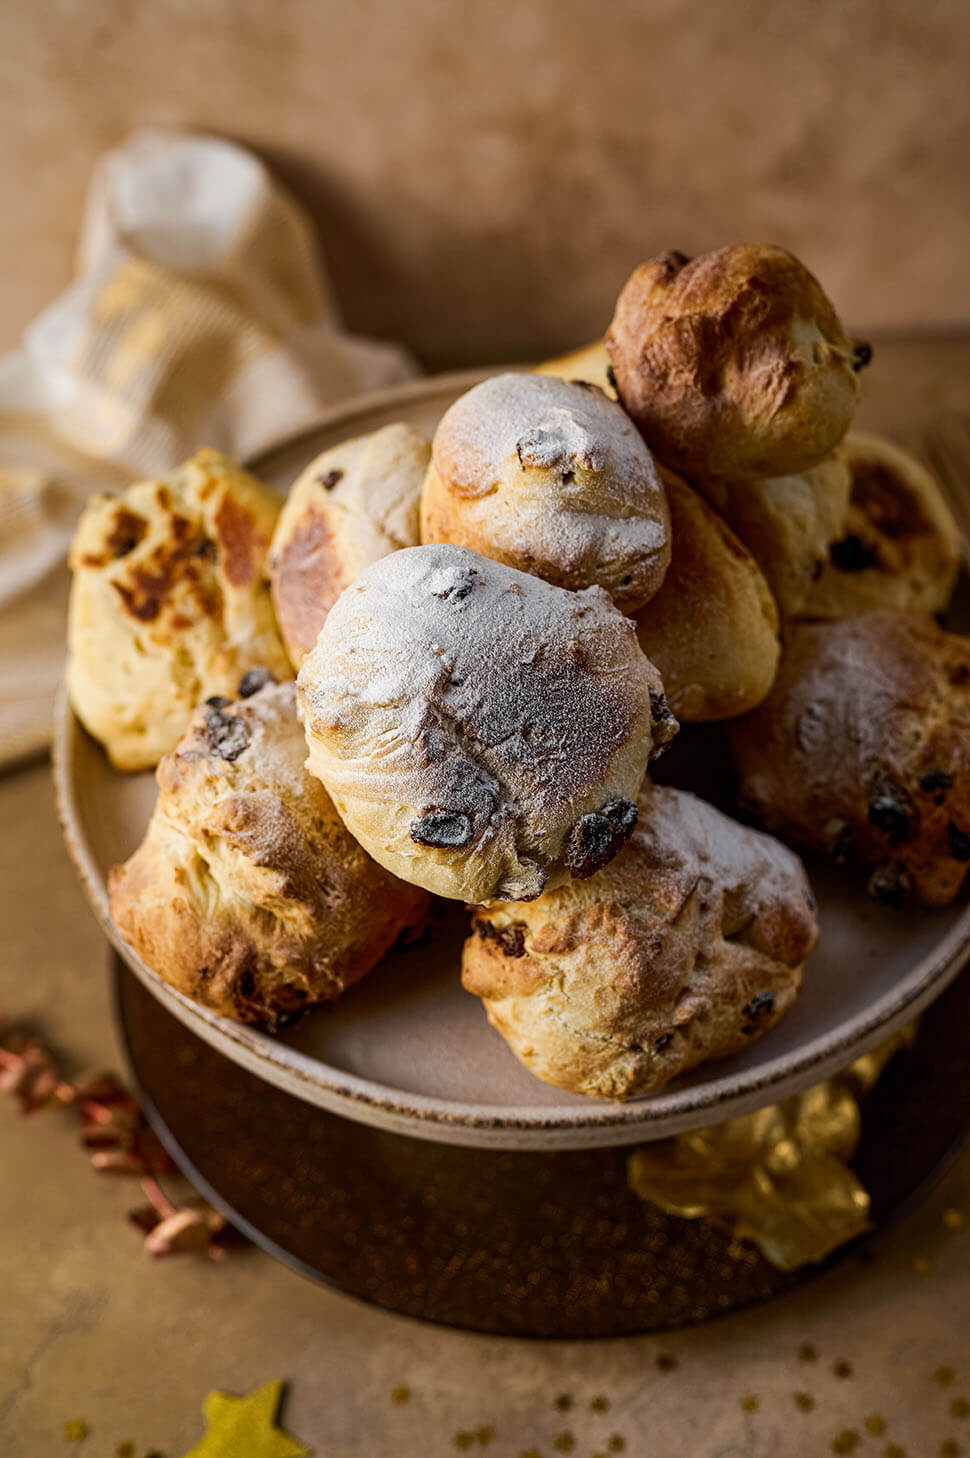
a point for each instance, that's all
(494, 634)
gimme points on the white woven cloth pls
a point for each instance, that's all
(200, 315)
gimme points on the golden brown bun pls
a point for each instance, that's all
(481, 732)
(689, 945)
(591, 363)
(247, 893)
(789, 523)
(734, 365)
(169, 604)
(350, 507)
(712, 629)
(862, 750)
(899, 546)
(550, 477)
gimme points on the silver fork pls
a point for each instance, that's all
(945, 444)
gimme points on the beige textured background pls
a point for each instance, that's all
(488, 173)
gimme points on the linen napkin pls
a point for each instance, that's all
(200, 315)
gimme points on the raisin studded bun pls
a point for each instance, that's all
(247, 893)
(168, 604)
(712, 629)
(899, 546)
(862, 751)
(350, 507)
(689, 945)
(550, 477)
(481, 732)
(734, 365)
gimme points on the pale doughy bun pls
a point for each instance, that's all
(550, 477)
(688, 946)
(789, 523)
(247, 893)
(862, 751)
(350, 507)
(482, 733)
(591, 363)
(168, 604)
(734, 365)
(712, 629)
(899, 546)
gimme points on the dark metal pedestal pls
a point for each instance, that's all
(520, 1244)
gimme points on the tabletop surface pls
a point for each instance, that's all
(92, 1328)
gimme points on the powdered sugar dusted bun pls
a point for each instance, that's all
(350, 507)
(734, 365)
(689, 945)
(551, 477)
(482, 733)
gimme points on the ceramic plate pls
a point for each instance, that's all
(408, 1050)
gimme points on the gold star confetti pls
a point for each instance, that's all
(400, 1395)
(750, 1403)
(954, 1219)
(846, 1442)
(599, 1404)
(875, 1425)
(76, 1430)
(945, 1376)
(960, 1408)
(804, 1401)
(246, 1425)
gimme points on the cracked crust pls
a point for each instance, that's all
(168, 604)
(351, 506)
(712, 629)
(688, 946)
(464, 717)
(862, 751)
(550, 477)
(734, 365)
(247, 893)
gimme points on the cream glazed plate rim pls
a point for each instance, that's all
(556, 1121)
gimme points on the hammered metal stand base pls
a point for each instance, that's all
(547, 1244)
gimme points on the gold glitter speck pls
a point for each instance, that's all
(749, 1403)
(804, 1401)
(846, 1442)
(76, 1430)
(875, 1425)
(945, 1376)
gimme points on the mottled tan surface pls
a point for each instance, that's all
(93, 1328)
(490, 174)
